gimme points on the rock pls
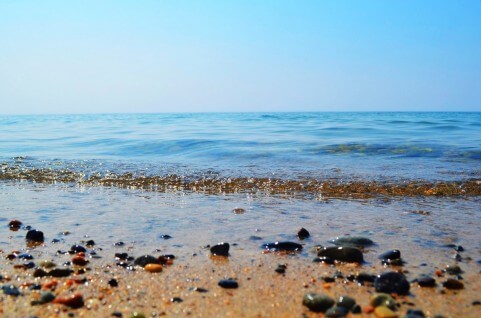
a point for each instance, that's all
(282, 247)
(453, 284)
(324, 259)
(383, 300)
(200, 290)
(221, 249)
(414, 313)
(336, 312)
(73, 301)
(153, 268)
(79, 261)
(145, 259)
(393, 262)
(426, 281)
(119, 243)
(113, 282)
(35, 236)
(60, 272)
(346, 302)
(238, 211)
(255, 238)
(453, 269)
(47, 297)
(303, 234)
(47, 264)
(281, 268)
(25, 256)
(392, 282)
(176, 300)
(228, 283)
(39, 273)
(343, 254)
(14, 225)
(77, 249)
(90, 243)
(384, 312)
(317, 302)
(165, 236)
(390, 255)
(356, 309)
(365, 277)
(10, 290)
(353, 241)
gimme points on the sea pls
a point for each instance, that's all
(99, 176)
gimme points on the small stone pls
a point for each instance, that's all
(343, 254)
(116, 314)
(90, 243)
(200, 290)
(10, 290)
(346, 302)
(165, 236)
(35, 236)
(142, 261)
(79, 261)
(39, 273)
(238, 211)
(282, 247)
(47, 264)
(329, 279)
(77, 249)
(356, 309)
(303, 234)
(14, 225)
(336, 312)
(60, 272)
(121, 256)
(119, 243)
(390, 255)
(365, 277)
(392, 282)
(113, 282)
(317, 302)
(476, 303)
(353, 241)
(383, 300)
(281, 268)
(176, 300)
(47, 297)
(414, 313)
(220, 249)
(426, 281)
(153, 268)
(255, 238)
(228, 283)
(453, 269)
(25, 256)
(453, 284)
(324, 259)
(384, 312)
(73, 301)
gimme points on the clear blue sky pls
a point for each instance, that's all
(171, 56)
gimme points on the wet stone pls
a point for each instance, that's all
(165, 236)
(414, 313)
(453, 284)
(303, 234)
(390, 255)
(35, 236)
(60, 272)
(39, 273)
(200, 290)
(10, 290)
(119, 244)
(153, 268)
(453, 269)
(281, 268)
(384, 312)
(383, 300)
(343, 254)
(25, 256)
(346, 302)
(90, 243)
(77, 249)
(392, 262)
(228, 283)
(335, 312)
(282, 247)
(353, 241)
(221, 249)
(47, 297)
(142, 261)
(121, 256)
(361, 278)
(317, 302)
(176, 300)
(113, 282)
(14, 225)
(324, 259)
(73, 301)
(116, 314)
(392, 282)
(426, 281)
(356, 309)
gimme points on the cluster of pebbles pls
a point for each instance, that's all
(56, 284)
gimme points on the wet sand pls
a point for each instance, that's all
(426, 230)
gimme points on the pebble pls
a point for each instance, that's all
(35, 236)
(14, 225)
(79, 261)
(60, 272)
(90, 243)
(281, 268)
(176, 300)
(426, 281)
(255, 238)
(303, 234)
(165, 236)
(220, 249)
(365, 277)
(336, 312)
(353, 241)
(153, 268)
(77, 249)
(47, 264)
(414, 313)
(228, 283)
(145, 259)
(73, 301)
(384, 312)
(113, 282)
(116, 314)
(392, 282)
(46, 297)
(453, 269)
(200, 290)
(390, 255)
(238, 211)
(119, 243)
(453, 284)
(317, 302)
(393, 262)
(382, 299)
(343, 254)
(282, 247)
(25, 256)
(10, 290)
(346, 302)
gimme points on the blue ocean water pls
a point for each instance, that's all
(404, 145)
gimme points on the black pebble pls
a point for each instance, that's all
(221, 249)
(119, 244)
(476, 303)
(77, 249)
(282, 246)
(165, 236)
(116, 314)
(453, 284)
(146, 259)
(281, 269)
(324, 259)
(60, 272)
(365, 277)
(343, 254)
(200, 290)
(228, 283)
(176, 300)
(34, 236)
(392, 282)
(390, 255)
(303, 234)
(113, 282)
(90, 243)
(426, 281)
(25, 256)
(121, 256)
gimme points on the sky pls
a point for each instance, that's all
(209, 56)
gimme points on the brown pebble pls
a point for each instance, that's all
(14, 225)
(451, 283)
(74, 301)
(79, 260)
(153, 268)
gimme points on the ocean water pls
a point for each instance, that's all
(372, 146)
